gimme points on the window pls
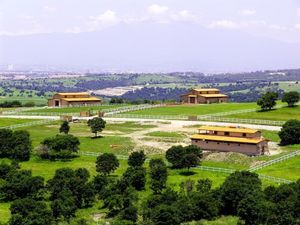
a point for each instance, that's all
(226, 133)
(218, 143)
(244, 134)
(215, 132)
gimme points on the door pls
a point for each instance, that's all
(56, 103)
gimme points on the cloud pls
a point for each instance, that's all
(50, 9)
(184, 15)
(248, 12)
(298, 12)
(157, 9)
(108, 18)
(297, 26)
(224, 24)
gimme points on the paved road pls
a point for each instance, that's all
(175, 122)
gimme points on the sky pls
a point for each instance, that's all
(22, 22)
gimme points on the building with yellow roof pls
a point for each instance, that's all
(67, 99)
(203, 96)
(230, 139)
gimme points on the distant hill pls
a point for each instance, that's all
(152, 47)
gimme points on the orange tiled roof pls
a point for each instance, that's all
(229, 129)
(227, 139)
(213, 95)
(81, 99)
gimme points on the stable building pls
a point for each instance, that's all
(73, 99)
(230, 139)
(203, 96)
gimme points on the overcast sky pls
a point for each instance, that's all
(273, 19)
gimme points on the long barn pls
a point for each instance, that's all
(68, 99)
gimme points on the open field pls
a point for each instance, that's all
(195, 109)
(284, 113)
(122, 137)
(11, 121)
(74, 109)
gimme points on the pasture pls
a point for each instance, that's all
(186, 110)
(11, 121)
(74, 109)
(284, 113)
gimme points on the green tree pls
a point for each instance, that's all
(136, 177)
(136, 159)
(64, 206)
(174, 155)
(165, 214)
(184, 157)
(61, 146)
(235, 188)
(158, 174)
(15, 145)
(64, 127)
(290, 132)
(28, 211)
(255, 210)
(204, 185)
(21, 184)
(267, 101)
(106, 163)
(291, 98)
(96, 124)
(189, 160)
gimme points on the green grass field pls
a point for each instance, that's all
(284, 113)
(74, 109)
(11, 121)
(195, 109)
(165, 134)
(288, 169)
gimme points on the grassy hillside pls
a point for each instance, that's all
(11, 121)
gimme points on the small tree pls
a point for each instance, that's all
(96, 124)
(60, 147)
(136, 177)
(290, 133)
(136, 159)
(267, 101)
(106, 163)
(291, 98)
(64, 128)
(174, 155)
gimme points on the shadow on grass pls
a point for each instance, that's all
(187, 173)
(97, 137)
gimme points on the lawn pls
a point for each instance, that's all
(105, 143)
(165, 134)
(74, 109)
(285, 113)
(186, 110)
(288, 169)
(12, 121)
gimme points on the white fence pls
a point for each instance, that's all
(138, 116)
(276, 160)
(274, 179)
(215, 169)
(236, 120)
(29, 124)
(112, 111)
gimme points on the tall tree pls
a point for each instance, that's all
(290, 132)
(158, 174)
(267, 101)
(291, 98)
(64, 127)
(96, 124)
(106, 163)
